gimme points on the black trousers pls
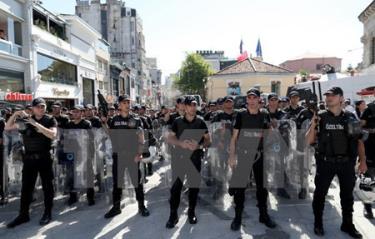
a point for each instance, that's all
(240, 178)
(2, 176)
(325, 173)
(118, 172)
(34, 164)
(185, 165)
(370, 150)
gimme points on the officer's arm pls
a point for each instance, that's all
(311, 132)
(11, 123)
(361, 152)
(172, 139)
(48, 132)
(233, 142)
(207, 140)
(363, 123)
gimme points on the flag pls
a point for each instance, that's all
(241, 46)
(242, 57)
(259, 49)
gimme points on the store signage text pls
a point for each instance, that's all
(15, 96)
(57, 92)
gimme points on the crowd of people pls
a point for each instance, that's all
(334, 128)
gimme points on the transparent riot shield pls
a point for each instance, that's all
(78, 159)
(99, 148)
(13, 156)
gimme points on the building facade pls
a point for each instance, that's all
(15, 52)
(312, 63)
(367, 17)
(122, 28)
(241, 76)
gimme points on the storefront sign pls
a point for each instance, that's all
(15, 96)
(57, 92)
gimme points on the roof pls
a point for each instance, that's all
(251, 65)
(310, 55)
(370, 9)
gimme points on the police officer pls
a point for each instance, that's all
(337, 150)
(61, 119)
(211, 111)
(149, 137)
(127, 121)
(276, 115)
(90, 115)
(305, 114)
(249, 128)
(77, 122)
(293, 109)
(368, 122)
(37, 138)
(222, 122)
(2, 164)
(189, 145)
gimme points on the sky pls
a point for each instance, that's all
(286, 29)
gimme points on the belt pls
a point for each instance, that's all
(337, 159)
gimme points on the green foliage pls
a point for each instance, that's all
(193, 75)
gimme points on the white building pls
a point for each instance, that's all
(367, 17)
(213, 58)
(14, 51)
(122, 28)
(64, 58)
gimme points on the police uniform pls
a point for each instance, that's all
(71, 125)
(185, 162)
(134, 124)
(221, 140)
(335, 155)
(37, 160)
(369, 116)
(2, 165)
(149, 138)
(250, 153)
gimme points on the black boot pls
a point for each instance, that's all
(73, 198)
(21, 218)
(172, 221)
(367, 211)
(143, 210)
(318, 226)
(191, 215)
(115, 210)
(236, 223)
(46, 218)
(265, 218)
(302, 194)
(90, 196)
(348, 227)
(281, 192)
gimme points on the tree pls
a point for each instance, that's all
(193, 75)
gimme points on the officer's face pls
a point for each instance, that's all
(76, 114)
(89, 113)
(56, 110)
(273, 103)
(191, 109)
(294, 100)
(124, 105)
(333, 100)
(180, 107)
(228, 104)
(252, 101)
(39, 110)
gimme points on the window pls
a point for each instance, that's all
(11, 80)
(56, 71)
(55, 27)
(127, 88)
(373, 51)
(275, 87)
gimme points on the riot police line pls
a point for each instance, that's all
(273, 145)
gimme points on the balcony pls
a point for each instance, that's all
(10, 48)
